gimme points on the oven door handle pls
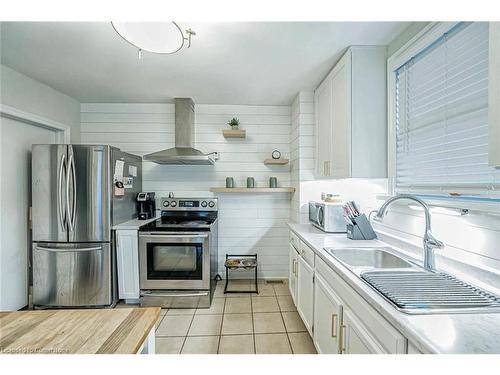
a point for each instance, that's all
(156, 294)
(174, 235)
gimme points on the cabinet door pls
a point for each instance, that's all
(339, 167)
(127, 262)
(327, 317)
(292, 273)
(305, 292)
(323, 98)
(355, 337)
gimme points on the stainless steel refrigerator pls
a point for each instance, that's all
(75, 203)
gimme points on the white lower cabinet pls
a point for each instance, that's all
(336, 316)
(363, 329)
(292, 273)
(355, 339)
(327, 315)
(127, 262)
(412, 349)
(305, 292)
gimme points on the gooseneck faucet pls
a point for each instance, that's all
(430, 242)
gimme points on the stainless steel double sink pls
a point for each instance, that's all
(359, 259)
(411, 288)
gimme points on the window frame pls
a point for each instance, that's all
(428, 35)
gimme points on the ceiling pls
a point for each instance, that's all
(228, 63)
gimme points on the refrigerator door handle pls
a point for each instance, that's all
(69, 212)
(60, 202)
(67, 250)
(73, 206)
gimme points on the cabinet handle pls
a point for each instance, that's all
(334, 325)
(324, 169)
(294, 268)
(328, 168)
(342, 339)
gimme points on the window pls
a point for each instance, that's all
(441, 116)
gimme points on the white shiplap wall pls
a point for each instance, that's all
(247, 223)
(302, 151)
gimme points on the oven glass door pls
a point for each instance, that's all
(174, 261)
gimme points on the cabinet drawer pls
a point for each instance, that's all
(294, 241)
(388, 337)
(307, 253)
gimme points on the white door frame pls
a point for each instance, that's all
(63, 130)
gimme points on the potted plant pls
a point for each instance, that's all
(234, 123)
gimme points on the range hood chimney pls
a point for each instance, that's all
(183, 153)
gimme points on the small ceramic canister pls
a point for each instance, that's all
(229, 182)
(250, 182)
(273, 182)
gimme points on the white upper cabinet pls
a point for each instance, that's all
(351, 116)
(323, 103)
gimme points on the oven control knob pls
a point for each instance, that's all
(166, 204)
(204, 204)
(173, 203)
(211, 204)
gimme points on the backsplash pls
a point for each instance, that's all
(362, 191)
(471, 239)
(247, 223)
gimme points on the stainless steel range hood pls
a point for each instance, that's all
(183, 153)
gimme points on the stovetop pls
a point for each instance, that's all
(186, 214)
(173, 224)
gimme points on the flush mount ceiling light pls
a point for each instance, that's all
(155, 37)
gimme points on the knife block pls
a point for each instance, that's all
(360, 229)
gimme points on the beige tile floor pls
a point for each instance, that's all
(238, 323)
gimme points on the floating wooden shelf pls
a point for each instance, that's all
(252, 190)
(276, 161)
(229, 133)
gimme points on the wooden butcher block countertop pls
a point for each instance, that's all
(105, 331)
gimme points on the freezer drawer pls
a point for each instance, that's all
(72, 275)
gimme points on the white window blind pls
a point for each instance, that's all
(442, 115)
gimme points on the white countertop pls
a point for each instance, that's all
(443, 333)
(133, 224)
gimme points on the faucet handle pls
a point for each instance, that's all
(378, 215)
(432, 241)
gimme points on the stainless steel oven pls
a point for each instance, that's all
(178, 254)
(174, 261)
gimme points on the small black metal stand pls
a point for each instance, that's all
(236, 262)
